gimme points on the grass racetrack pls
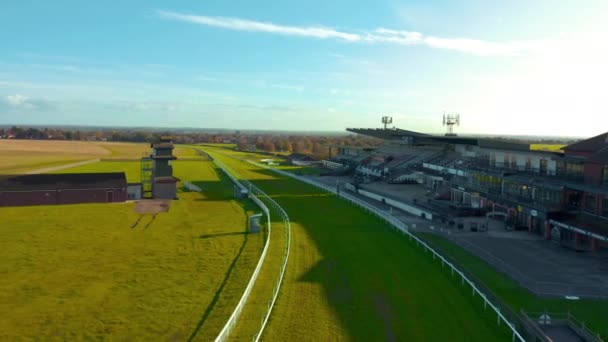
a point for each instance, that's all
(102, 271)
(351, 277)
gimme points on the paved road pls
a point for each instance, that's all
(561, 333)
(62, 167)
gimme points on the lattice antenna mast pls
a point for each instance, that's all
(387, 120)
(449, 120)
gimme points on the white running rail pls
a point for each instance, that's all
(259, 197)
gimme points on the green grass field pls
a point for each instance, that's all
(102, 271)
(132, 169)
(592, 312)
(351, 277)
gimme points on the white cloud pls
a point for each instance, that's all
(379, 35)
(17, 100)
(257, 26)
(26, 102)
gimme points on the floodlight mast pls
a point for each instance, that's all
(449, 120)
(387, 120)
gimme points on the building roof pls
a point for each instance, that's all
(386, 133)
(166, 179)
(171, 157)
(421, 138)
(162, 145)
(300, 156)
(63, 181)
(593, 144)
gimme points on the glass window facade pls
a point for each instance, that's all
(548, 196)
(574, 168)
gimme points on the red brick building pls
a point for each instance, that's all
(67, 188)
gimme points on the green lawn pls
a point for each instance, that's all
(101, 271)
(131, 168)
(351, 277)
(593, 312)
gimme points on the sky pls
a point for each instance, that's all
(507, 67)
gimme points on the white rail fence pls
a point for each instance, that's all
(403, 228)
(262, 200)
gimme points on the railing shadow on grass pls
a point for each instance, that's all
(217, 294)
(217, 191)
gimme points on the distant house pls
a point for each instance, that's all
(66, 188)
(301, 159)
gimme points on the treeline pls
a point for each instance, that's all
(315, 145)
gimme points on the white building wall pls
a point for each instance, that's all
(536, 162)
(520, 160)
(552, 167)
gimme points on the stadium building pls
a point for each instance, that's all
(561, 196)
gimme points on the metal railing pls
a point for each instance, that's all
(559, 318)
(263, 201)
(404, 229)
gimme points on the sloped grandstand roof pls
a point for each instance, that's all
(593, 144)
(597, 146)
(385, 133)
(422, 139)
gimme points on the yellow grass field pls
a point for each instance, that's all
(547, 147)
(18, 156)
(105, 272)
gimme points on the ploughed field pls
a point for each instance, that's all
(351, 277)
(105, 271)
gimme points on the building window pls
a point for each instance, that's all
(605, 175)
(590, 203)
(574, 169)
(605, 207)
(528, 163)
(543, 166)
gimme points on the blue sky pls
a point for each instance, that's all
(517, 67)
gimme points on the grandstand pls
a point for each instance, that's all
(560, 196)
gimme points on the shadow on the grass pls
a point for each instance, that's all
(364, 273)
(217, 294)
(210, 236)
(221, 190)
